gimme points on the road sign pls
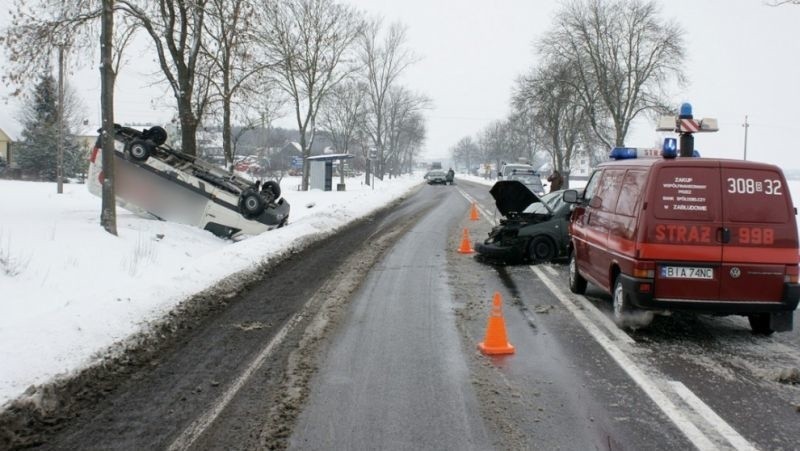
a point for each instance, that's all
(297, 162)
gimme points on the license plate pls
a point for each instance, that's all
(686, 272)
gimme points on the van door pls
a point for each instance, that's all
(684, 231)
(595, 222)
(760, 232)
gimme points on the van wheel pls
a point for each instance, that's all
(156, 134)
(627, 316)
(759, 322)
(273, 187)
(541, 249)
(251, 204)
(577, 284)
(139, 150)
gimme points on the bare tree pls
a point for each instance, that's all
(343, 114)
(403, 126)
(493, 141)
(307, 43)
(561, 118)
(229, 42)
(38, 28)
(384, 61)
(625, 57)
(176, 30)
(466, 151)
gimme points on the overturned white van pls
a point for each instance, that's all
(152, 179)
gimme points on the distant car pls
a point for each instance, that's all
(154, 179)
(535, 229)
(436, 177)
(509, 168)
(529, 178)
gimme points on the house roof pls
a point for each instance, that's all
(9, 126)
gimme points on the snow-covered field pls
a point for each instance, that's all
(69, 290)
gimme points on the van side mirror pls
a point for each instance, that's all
(571, 196)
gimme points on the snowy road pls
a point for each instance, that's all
(367, 341)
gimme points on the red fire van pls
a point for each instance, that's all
(696, 234)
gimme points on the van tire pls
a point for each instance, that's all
(577, 284)
(272, 186)
(156, 134)
(251, 204)
(759, 323)
(541, 249)
(139, 150)
(626, 316)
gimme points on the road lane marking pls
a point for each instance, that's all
(585, 305)
(689, 429)
(198, 426)
(486, 214)
(724, 429)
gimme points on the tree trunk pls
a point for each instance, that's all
(188, 127)
(108, 215)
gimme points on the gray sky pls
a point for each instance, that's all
(743, 59)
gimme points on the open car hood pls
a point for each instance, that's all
(512, 196)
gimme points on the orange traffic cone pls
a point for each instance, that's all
(466, 246)
(473, 213)
(496, 340)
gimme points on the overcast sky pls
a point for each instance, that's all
(743, 59)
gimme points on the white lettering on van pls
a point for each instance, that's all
(690, 207)
(683, 186)
(683, 180)
(668, 199)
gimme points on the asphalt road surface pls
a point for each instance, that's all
(367, 340)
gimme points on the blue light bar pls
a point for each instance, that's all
(622, 153)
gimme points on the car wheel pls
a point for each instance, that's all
(139, 150)
(273, 187)
(625, 314)
(541, 249)
(251, 204)
(759, 323)
(577, 284)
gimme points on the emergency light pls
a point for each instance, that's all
(622, 153)
(685, 111)
(670, 148)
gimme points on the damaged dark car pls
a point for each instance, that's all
(534, 228)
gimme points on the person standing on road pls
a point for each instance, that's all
(556, 180)
(450, 176)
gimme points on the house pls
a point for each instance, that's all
(6, 147)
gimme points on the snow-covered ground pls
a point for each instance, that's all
(69, 290)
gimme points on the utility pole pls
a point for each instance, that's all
(746, 126)
(60, 147)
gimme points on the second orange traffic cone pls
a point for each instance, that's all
(466, 246)
(473, 213)
(496, 340)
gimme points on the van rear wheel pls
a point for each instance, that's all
(759, 323)
(577, 284)
(626, 316)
